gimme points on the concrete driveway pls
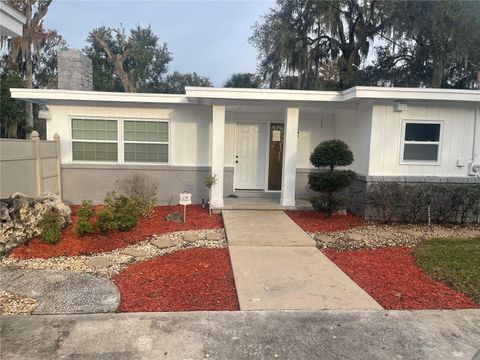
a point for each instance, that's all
(368, 335)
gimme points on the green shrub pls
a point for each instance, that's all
(105, 221)
(86, 209)
(50, 227)
(329, 155)
(84, 213)
(385, 201)
(123, 212)
(142, 189)
(83, 227)
(448, 203)
(210, 180)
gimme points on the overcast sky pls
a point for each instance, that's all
(209, 37)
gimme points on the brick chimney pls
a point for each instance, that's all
(74, 70)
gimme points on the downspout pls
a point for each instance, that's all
(476, 129)
(476, 135)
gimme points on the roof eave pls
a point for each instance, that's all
(48, 95)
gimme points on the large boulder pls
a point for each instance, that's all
(20, 216)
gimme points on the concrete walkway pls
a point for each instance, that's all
(277, 266)
(62, 292)
(328, 335)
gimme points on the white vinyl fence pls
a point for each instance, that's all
(30, 167)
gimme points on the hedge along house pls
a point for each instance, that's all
(258, 141)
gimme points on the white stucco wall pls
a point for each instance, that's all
(189, 128)
(353, 127)
(372, 130)
(386, 138)
(312, 130)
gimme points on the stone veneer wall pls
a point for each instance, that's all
(361, 184)
(74, 70)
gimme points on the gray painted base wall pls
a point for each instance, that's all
(92, 182)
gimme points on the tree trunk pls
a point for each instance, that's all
(117, 60)
(122, 74)
(437, 76)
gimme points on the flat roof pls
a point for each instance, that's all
(351, 94)
(207, 95)
(48, 95)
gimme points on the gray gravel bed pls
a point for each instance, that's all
(374, 236)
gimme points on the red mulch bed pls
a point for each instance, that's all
(188, 280)
(314, 221)
(72, 245)
(391, 277)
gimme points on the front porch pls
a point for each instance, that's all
(261, 153)
(250, 200)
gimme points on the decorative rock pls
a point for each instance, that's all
(134, 252)
(439, 232)
(214, 236)
(356, 237)
(16, 304)
(191, 237)
(4, 213)
(20, 216)
(414, 232)
(389, 235)
(324, 239)
(175, 216)
(162, 244)
(99, 262)
(472, 233)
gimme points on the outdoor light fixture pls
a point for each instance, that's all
(400, 106)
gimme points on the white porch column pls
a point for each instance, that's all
(218, 149)
(289, 172)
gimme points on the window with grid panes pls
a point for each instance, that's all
(145, 141)
(94, 140)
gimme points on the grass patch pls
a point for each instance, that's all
(453, 261)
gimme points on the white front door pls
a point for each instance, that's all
(250, 154)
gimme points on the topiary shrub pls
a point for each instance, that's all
(50, 227)
(329, 155)
(84, 213)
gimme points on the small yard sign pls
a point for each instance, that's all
(185, 199)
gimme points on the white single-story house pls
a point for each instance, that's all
(258, 139)
(12, 21)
